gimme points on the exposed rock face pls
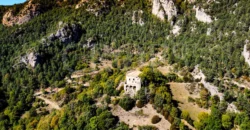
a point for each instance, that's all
(26, 14)
(198, 74)
(137, 18)
(202, 16)
(163, 8)
(68, 33)
(31, 59)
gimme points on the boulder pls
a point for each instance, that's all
(176, 30)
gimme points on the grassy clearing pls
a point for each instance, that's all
(181, 94)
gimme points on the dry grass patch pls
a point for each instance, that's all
(181, 94)
(165, 69)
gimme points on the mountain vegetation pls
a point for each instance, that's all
(106, 33)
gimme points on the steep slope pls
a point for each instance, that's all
(22, 13)
(102, 40)
(26, 14)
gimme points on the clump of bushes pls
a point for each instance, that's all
(127, 103)
(139, 104)
(107, 99)
(155, 119)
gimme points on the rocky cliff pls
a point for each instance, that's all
(164, 8)
(67, 33)
(26, 14)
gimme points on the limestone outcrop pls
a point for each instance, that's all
(67, 33)
(202, 16)
(26, 14)
(176, 30)
(164, 8)
(31, 59)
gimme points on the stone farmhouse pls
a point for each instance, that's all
(132, 83)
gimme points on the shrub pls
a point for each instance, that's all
(165, 114)
(170, 119)
(115, 101)
(156, 119)
(127, 103)
(139, 104)
(108, 99)
(190, 99)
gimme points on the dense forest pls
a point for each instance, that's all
(218, 55)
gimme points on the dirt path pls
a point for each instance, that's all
(48, 90)
(80, 73)
(51, 103)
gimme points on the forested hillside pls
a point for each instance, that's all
(104, 39)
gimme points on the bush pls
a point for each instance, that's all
(108, 99)
(190, 99)
(147, 128)
(170, 119)
(139, 104)
(115, 101)
(156, 119)
(127, 103)
(165, 114)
